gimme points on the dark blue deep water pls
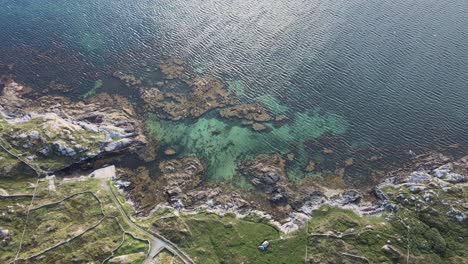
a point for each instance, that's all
(396, 71)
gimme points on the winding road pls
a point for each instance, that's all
(157, 242)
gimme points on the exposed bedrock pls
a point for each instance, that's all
(289, 205)
(180, 175)
(267, 173)
(52, 132)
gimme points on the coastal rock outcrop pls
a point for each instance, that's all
(52, 132)
(289, 206)
(180, 175)
(175, 179)
(267, 172)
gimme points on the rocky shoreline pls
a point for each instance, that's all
(428, 172)
(54, 133)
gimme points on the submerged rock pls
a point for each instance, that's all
(281, 118)
(206, 93)
(128, 79)
(252, 112)
(259, 127)
(170, 152)
(349, 162)
(172, 68)
(310, 166)
(199, 94)
(56, 86)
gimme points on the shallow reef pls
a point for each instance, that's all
(236, 87)
(252, 115)
(251, 112)
(168, 101)
(239, 132)
(221, 145)
(272, 104)
(206, 94)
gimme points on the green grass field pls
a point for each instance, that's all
(78, 222)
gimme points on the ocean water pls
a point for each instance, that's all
(384, 77)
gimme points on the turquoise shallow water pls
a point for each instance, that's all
(391, 75)
(222, 145)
